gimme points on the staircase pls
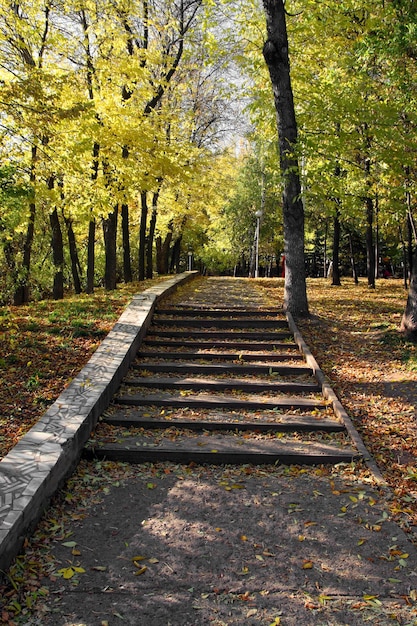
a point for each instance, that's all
(220, 385)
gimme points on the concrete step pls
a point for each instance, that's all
(249, 346)
(285, 423)
(222, 334)
(218, 356)
(219, 312)
(257, 403)
(173, 367)
(159, 382)
(217, 323)
(222, 449)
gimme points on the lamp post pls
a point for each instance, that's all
(258, 216)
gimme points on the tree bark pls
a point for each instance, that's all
(409, 320)
(276, 56)
(91, 255)
(162, 251)
(57, 254)
(336, 249)
(92, 226)
(175, 255)
(21, 295)
(352, 261)
(110, 233)
(75, 260)
(142, 234)
(127, 263)
(370, 248)
(149, 249)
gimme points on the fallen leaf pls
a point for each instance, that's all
(141, 571)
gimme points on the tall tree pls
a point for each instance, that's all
(277, 59)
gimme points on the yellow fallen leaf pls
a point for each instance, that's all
(67, 572)
(301, 538)
(243, 538)
(259, 557)
(308, 565)
(153, 560)
(140, 571)
(75, 552)
(138, 558)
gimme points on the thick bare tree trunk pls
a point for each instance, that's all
(276, 56)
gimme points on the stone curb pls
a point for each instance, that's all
(35, 468)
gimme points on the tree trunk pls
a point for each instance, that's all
(162, 251)
(75, 260)
(142, 234)
(352, 261)
(370, 249)
(57, 254)
(409, 320)
(92, 227)
(110, 233)
(57, 244)
(91, 256)
(175, 255)
(21, 295)
(276, 56)
(127, 263)
(152, 226)
(404, 249)
(149, 249)
(410, 245)
(336, 248)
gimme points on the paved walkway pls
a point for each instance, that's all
(189, 546)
